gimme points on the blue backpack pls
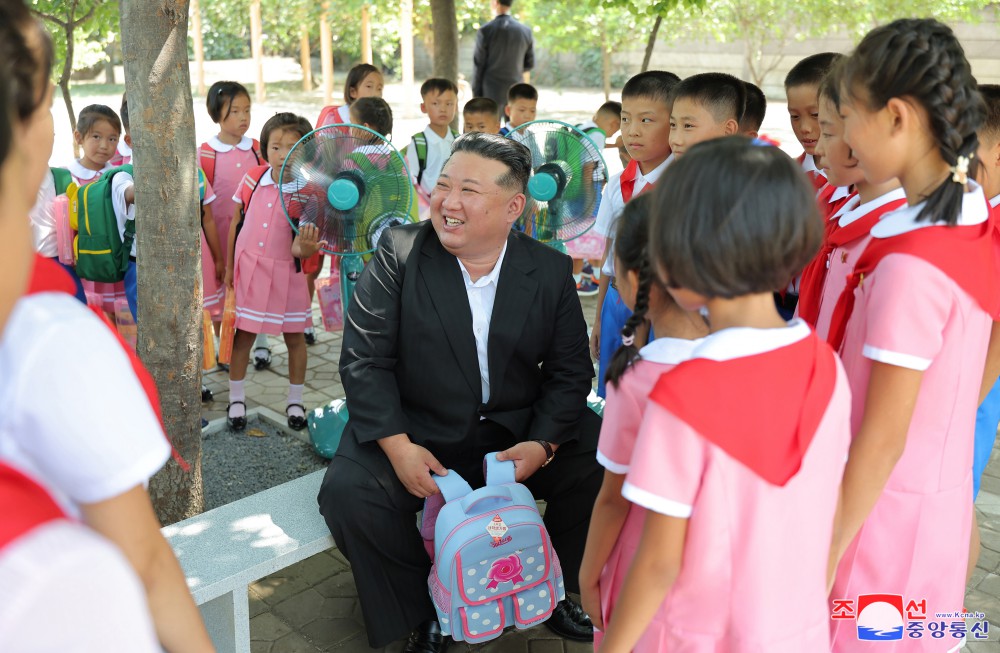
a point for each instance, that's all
(494, 565)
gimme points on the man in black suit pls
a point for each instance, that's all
(463, 337)
(505, 51)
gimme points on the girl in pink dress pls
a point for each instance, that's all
(616, 523)
(271, 294)
(923, 296)
(847, 231)
(740, 451)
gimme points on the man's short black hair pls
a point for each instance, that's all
(222, 94)
(437, 85)
(521, 91)
(656, 85)
(722, 95)
(753, 115)
(482, 105)
(610, 108)
(495, 147)
(811, 70)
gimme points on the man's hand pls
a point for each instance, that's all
(528, 458)
(413, 465)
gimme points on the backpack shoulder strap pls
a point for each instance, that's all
(246, 190)
(328, 116)
(206, 156)
(62, 179)
(420, 143)
(256, 151)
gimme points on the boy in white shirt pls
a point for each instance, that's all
(429, 149)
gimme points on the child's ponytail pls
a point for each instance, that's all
(922, 59)
(628, 352)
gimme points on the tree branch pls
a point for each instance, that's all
(49, 17)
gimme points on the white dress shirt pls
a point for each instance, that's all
(438, 151)
(482, 293)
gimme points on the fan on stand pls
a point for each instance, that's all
(569, 175)
(353, 185)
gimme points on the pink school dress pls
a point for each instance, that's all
(232, 162)
(271, 296)
(622, 416)
(108, 293)
(213, 293)
(915, 542)
(758, 483)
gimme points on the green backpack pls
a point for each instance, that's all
(420, 143)
(102, 254)
(62, 179)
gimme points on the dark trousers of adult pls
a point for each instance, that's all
(375, 526)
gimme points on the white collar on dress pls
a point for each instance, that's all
(809, 163)
(80, 171)
(669, 351)
(840, 193)
(287, 187)
(245, 144)
(487, 279)
(380, 148)
(860, 210)
(995, 202)
(737, 342)
(851, 204)
(903, 220)
(345, 113)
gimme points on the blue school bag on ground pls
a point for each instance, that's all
(494, 565)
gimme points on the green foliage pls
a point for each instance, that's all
(90, 37)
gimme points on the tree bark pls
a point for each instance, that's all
(305, 59)
(651, 44)
(158, 83)
(605, 62)
(326, 53)
(257, 45)
(445, 28)
(199, 46)
(366, 34)
(406, 45)
(109, 63)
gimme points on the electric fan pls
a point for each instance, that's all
(565, 188)
(352, 184)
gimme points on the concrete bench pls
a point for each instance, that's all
(225, 549)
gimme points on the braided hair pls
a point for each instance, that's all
(922, 59)
(631, 240)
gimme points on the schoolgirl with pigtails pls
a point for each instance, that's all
(633, 370)
(913, 325)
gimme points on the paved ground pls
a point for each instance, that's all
(313, 606)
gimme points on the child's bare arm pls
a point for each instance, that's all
(212, 238)
(231, 245)
(606, 523)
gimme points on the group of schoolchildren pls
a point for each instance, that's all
(794, 353)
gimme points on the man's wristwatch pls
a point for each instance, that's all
(549, 453)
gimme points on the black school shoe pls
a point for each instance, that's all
(237, 423)
(297, 422)
(426, 638)
(569, 620)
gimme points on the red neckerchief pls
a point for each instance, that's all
(24, 505)
(969, 255)
(628, 181)
(777, 420)
(814, 274)
(48, 276)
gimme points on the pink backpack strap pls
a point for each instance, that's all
(206, 156)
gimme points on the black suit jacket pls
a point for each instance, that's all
(409, 362)
(505, 49)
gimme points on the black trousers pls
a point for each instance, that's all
(374, 523)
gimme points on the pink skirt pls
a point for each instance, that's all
(214, 293)
(271, 297)
(108, 293)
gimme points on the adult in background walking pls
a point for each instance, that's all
(505, 52)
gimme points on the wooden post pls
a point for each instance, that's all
(366, 34)
(326, 53)
(304, 58)
(199, 46)
(406, 45)
(257, 47)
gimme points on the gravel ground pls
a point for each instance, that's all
(236, 465)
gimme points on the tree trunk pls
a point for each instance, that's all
(651, 44)
(305, 59)
(605, 62)
(199, 46)
(109, 63)
(326, 53)
(257, 46)
(406, 45)
(366, 34)
(445, 28)
(67, 70)
(158, 82)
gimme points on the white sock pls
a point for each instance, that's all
(261, 341)
(309, 329)
(237, 393)
(295, 397)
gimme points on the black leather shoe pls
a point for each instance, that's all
(426, 638)
(570, 621)
(236, 423)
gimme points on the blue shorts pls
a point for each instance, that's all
(76, 280)
(614, 314)
(987, 420)
(130, 289)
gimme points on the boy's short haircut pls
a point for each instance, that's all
(753, 115)
(222, 94)
(505, 3)
(124, 112)
(438, 85)
(92, 114)
(722, 95)
(285, 120)
(829, 86)
(355, 76)
(990, 131)
(482, 105)
(656, 85)
(374, 112)
(811, 70)
(521, 91)
(609, 109)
